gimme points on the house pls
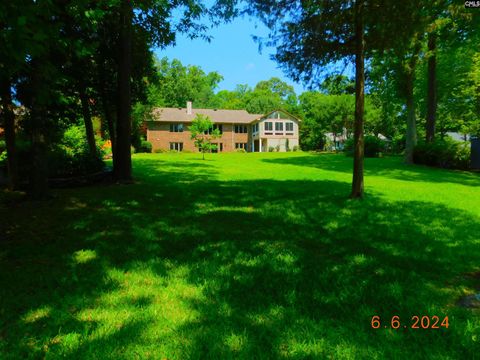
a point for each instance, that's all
(458, 136)
(278, 130)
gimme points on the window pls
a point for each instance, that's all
(279, 126)
(176, 146)
(289, 126)
(241, 146)
(255, 128)
(241, 129)
(176, 127)
(209, 131)
(269, 126)
(218, 149)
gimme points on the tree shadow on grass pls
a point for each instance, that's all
(182, 265)
(391, 167)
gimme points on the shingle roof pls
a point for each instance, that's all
(217, 116)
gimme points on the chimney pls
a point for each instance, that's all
(189, 108)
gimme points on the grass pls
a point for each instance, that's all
(244, 256)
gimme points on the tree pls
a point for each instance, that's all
(358, 153)
(179, 83)
(336, 84)
(203, 132)
(310, 36)
(122, 160)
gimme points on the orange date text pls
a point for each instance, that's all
(415, 322)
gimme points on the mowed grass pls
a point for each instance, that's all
(248, 256)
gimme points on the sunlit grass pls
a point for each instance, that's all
(244, 256)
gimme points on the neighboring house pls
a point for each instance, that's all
(335, 142)
(457, 136)
(168, 130)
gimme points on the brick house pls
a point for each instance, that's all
(168, 129)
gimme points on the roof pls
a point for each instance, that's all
(217, 116)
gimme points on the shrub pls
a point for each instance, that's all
(271, 149)
(373, 146)
(160, 151)
(277, 148)
(240, 151)
(144, 147)
(296, 148)
(71, 156)
(3, 153)
(445, 153)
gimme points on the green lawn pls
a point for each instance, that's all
(244, 256)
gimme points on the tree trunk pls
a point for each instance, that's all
(123, 163)
(9, 124)
(357, 183)
(432, 88)
(411, 137)
(39, 170)
(87, 119)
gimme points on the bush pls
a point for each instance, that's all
(160, 151)
(373, 146)
(296, 148)
(3, 153)
(71, 156)
(240, 151)
(144, 147)
(445, 153)
(277, 148)
(271, 149)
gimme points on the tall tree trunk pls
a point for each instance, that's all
(432, 88)
(39, 169)
(9, 124)
(123, 163)
(411, 136)
(87, 119)
(357, 182)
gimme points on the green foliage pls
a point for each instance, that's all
(202, 133)
(179, 84)
(374, 146)
(445, 153)
(3, 153)
(243, 151)
(145, 147)
(336, 84)
(71, 156)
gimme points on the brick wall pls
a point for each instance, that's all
(158, 133)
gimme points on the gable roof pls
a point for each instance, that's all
(289, 116)
(217, 116)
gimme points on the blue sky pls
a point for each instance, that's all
(232, 52)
